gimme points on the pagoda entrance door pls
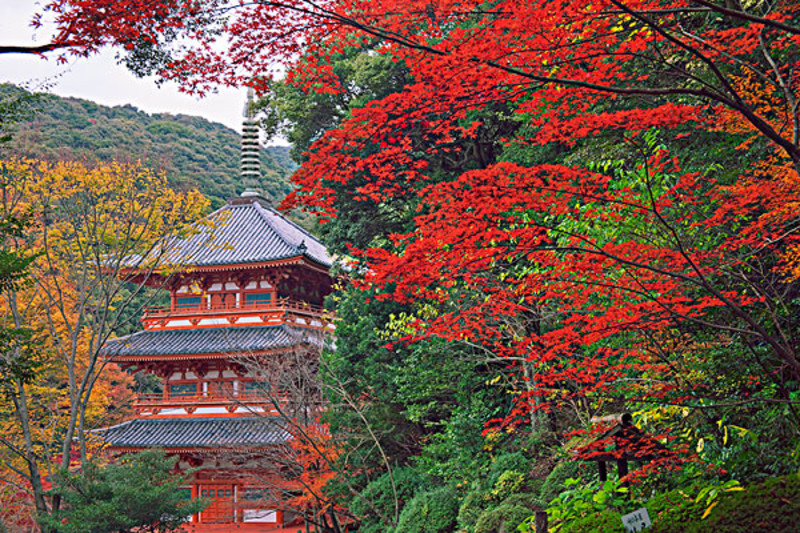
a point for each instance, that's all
(220, 509)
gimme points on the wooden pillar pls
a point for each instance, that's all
(540, 522)
(195, 496)
(622, 468)
(166, 373)
(622, 471)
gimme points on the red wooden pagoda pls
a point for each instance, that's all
(250, 287)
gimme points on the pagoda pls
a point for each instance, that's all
(249, 289)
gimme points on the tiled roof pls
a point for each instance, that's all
(209, 341)
(196, 432)
(246, 230)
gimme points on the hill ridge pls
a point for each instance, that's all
(191, 150)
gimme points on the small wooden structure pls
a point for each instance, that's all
(621, 441)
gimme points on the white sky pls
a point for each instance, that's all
(99, 78)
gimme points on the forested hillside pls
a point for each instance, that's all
(191, 150)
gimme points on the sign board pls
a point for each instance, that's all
(637, 520)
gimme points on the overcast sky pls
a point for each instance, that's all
(99, 78)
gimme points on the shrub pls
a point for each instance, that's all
(769, 507)
(675, 510)
(554, 483)
(472, 506)
(430, 512)
(502, 519)
(375, 504)
(509, 482)
(534, 486)
(508, 461)
(582, 499)
(138, 492)
(607, 522)
(478, 513)
(526, 499)
(670, 511)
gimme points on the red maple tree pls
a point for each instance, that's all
(576, 269)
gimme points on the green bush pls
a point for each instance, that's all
(472, 506)
(478, 508)
(669, 512)
(508, 461)
(430, 512)
(526, 499)
(502, 519)
(581, 499)
(375, 505)
(534, 486)
(674, 510)
(769, 507)
(510, 482)
(554, 483)
(607, 522)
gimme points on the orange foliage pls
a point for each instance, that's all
(314, 452)
(84, 221)
(772, 181)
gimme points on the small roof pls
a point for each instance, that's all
(225, 432)
(246, 230)
(223, 340)
(615, 437)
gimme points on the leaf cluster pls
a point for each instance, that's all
(138, 492)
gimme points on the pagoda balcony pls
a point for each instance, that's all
(277, 311)
(158, 401)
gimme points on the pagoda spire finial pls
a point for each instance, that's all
(251, 163)
(248, 106)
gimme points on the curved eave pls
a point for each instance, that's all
(303, 260)
(214, 450)
(185, 356)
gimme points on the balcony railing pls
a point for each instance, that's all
(281, 304)
(159, 401)
(272, 312)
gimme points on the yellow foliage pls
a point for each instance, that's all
(87, 223)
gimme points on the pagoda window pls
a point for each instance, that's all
(253, 387)
(177, 390)
(188, 302)
(257, 298)
(253, 494)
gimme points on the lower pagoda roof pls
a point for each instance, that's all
(208, 341)
(199, 433)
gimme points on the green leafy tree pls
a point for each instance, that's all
(138, 492)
